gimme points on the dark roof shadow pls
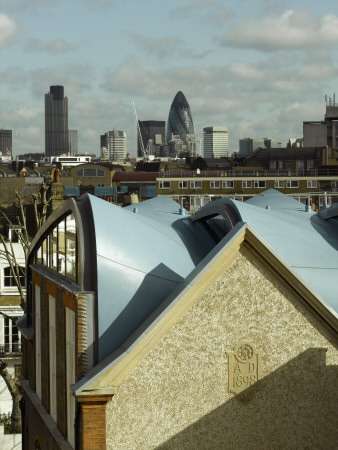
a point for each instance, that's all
(295, 407)
(328, 229)
(154, 289)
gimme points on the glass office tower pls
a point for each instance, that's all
(56, 122)
(180, 124)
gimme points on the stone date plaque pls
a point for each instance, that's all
(244, 367)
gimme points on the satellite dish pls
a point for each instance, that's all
(198, 171)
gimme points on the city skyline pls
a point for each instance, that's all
(260, 68)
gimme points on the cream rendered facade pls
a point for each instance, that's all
(175, 388)
(215, 142)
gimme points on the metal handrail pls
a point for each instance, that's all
(285, 173)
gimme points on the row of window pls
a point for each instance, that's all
(229, 184)
(59, 249)
(69, 350)
(81, 173)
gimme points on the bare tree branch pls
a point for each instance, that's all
(15, 389)
(7, 251)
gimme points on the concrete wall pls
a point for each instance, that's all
(178, 396)
(315, 134)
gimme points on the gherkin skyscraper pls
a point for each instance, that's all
(180, 120)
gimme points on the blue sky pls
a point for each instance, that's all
(258, 67)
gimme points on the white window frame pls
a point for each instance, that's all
(258, 182)
(52, 357)
(162, 184)
(8, 344)
(215, 184)
(311, 184)
(195, 202)
(37, 341)
(70, 374)
(247, 184)
(289, 184)
(13, 233)
(183, 184)
(10, 336)
(279, 183)
(227, 184)
(9, 277)
(196, 184)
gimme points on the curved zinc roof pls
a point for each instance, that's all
(143, 253)
(304, 240)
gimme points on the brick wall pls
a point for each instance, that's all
(82, 334)
(92, 424)
(92, 412)
(36, 428)
(47, 289)
(61, 363)
(44, 318)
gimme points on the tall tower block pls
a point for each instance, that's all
(56, 122)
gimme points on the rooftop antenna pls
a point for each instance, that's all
(334, 99)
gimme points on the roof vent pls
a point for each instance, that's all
(308, 205)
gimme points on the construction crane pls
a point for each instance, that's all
(145, 151)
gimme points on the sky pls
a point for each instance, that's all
(258, 67)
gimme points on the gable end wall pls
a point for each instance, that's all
(177, 397)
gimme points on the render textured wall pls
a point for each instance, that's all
(177, 397)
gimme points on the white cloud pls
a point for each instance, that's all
(166, 48)
(55, 46)
(28, 113)
(212, 11)
(245, 71)
(315, 71)
(292, 30)
(8, 28)
(75, 77)
(161, 48)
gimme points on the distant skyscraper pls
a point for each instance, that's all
(73, 142)
(114, 145)
(215, 142)
(56, 122)
(180, 122)
(6, 142)
(249, 145)
(154, 130)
